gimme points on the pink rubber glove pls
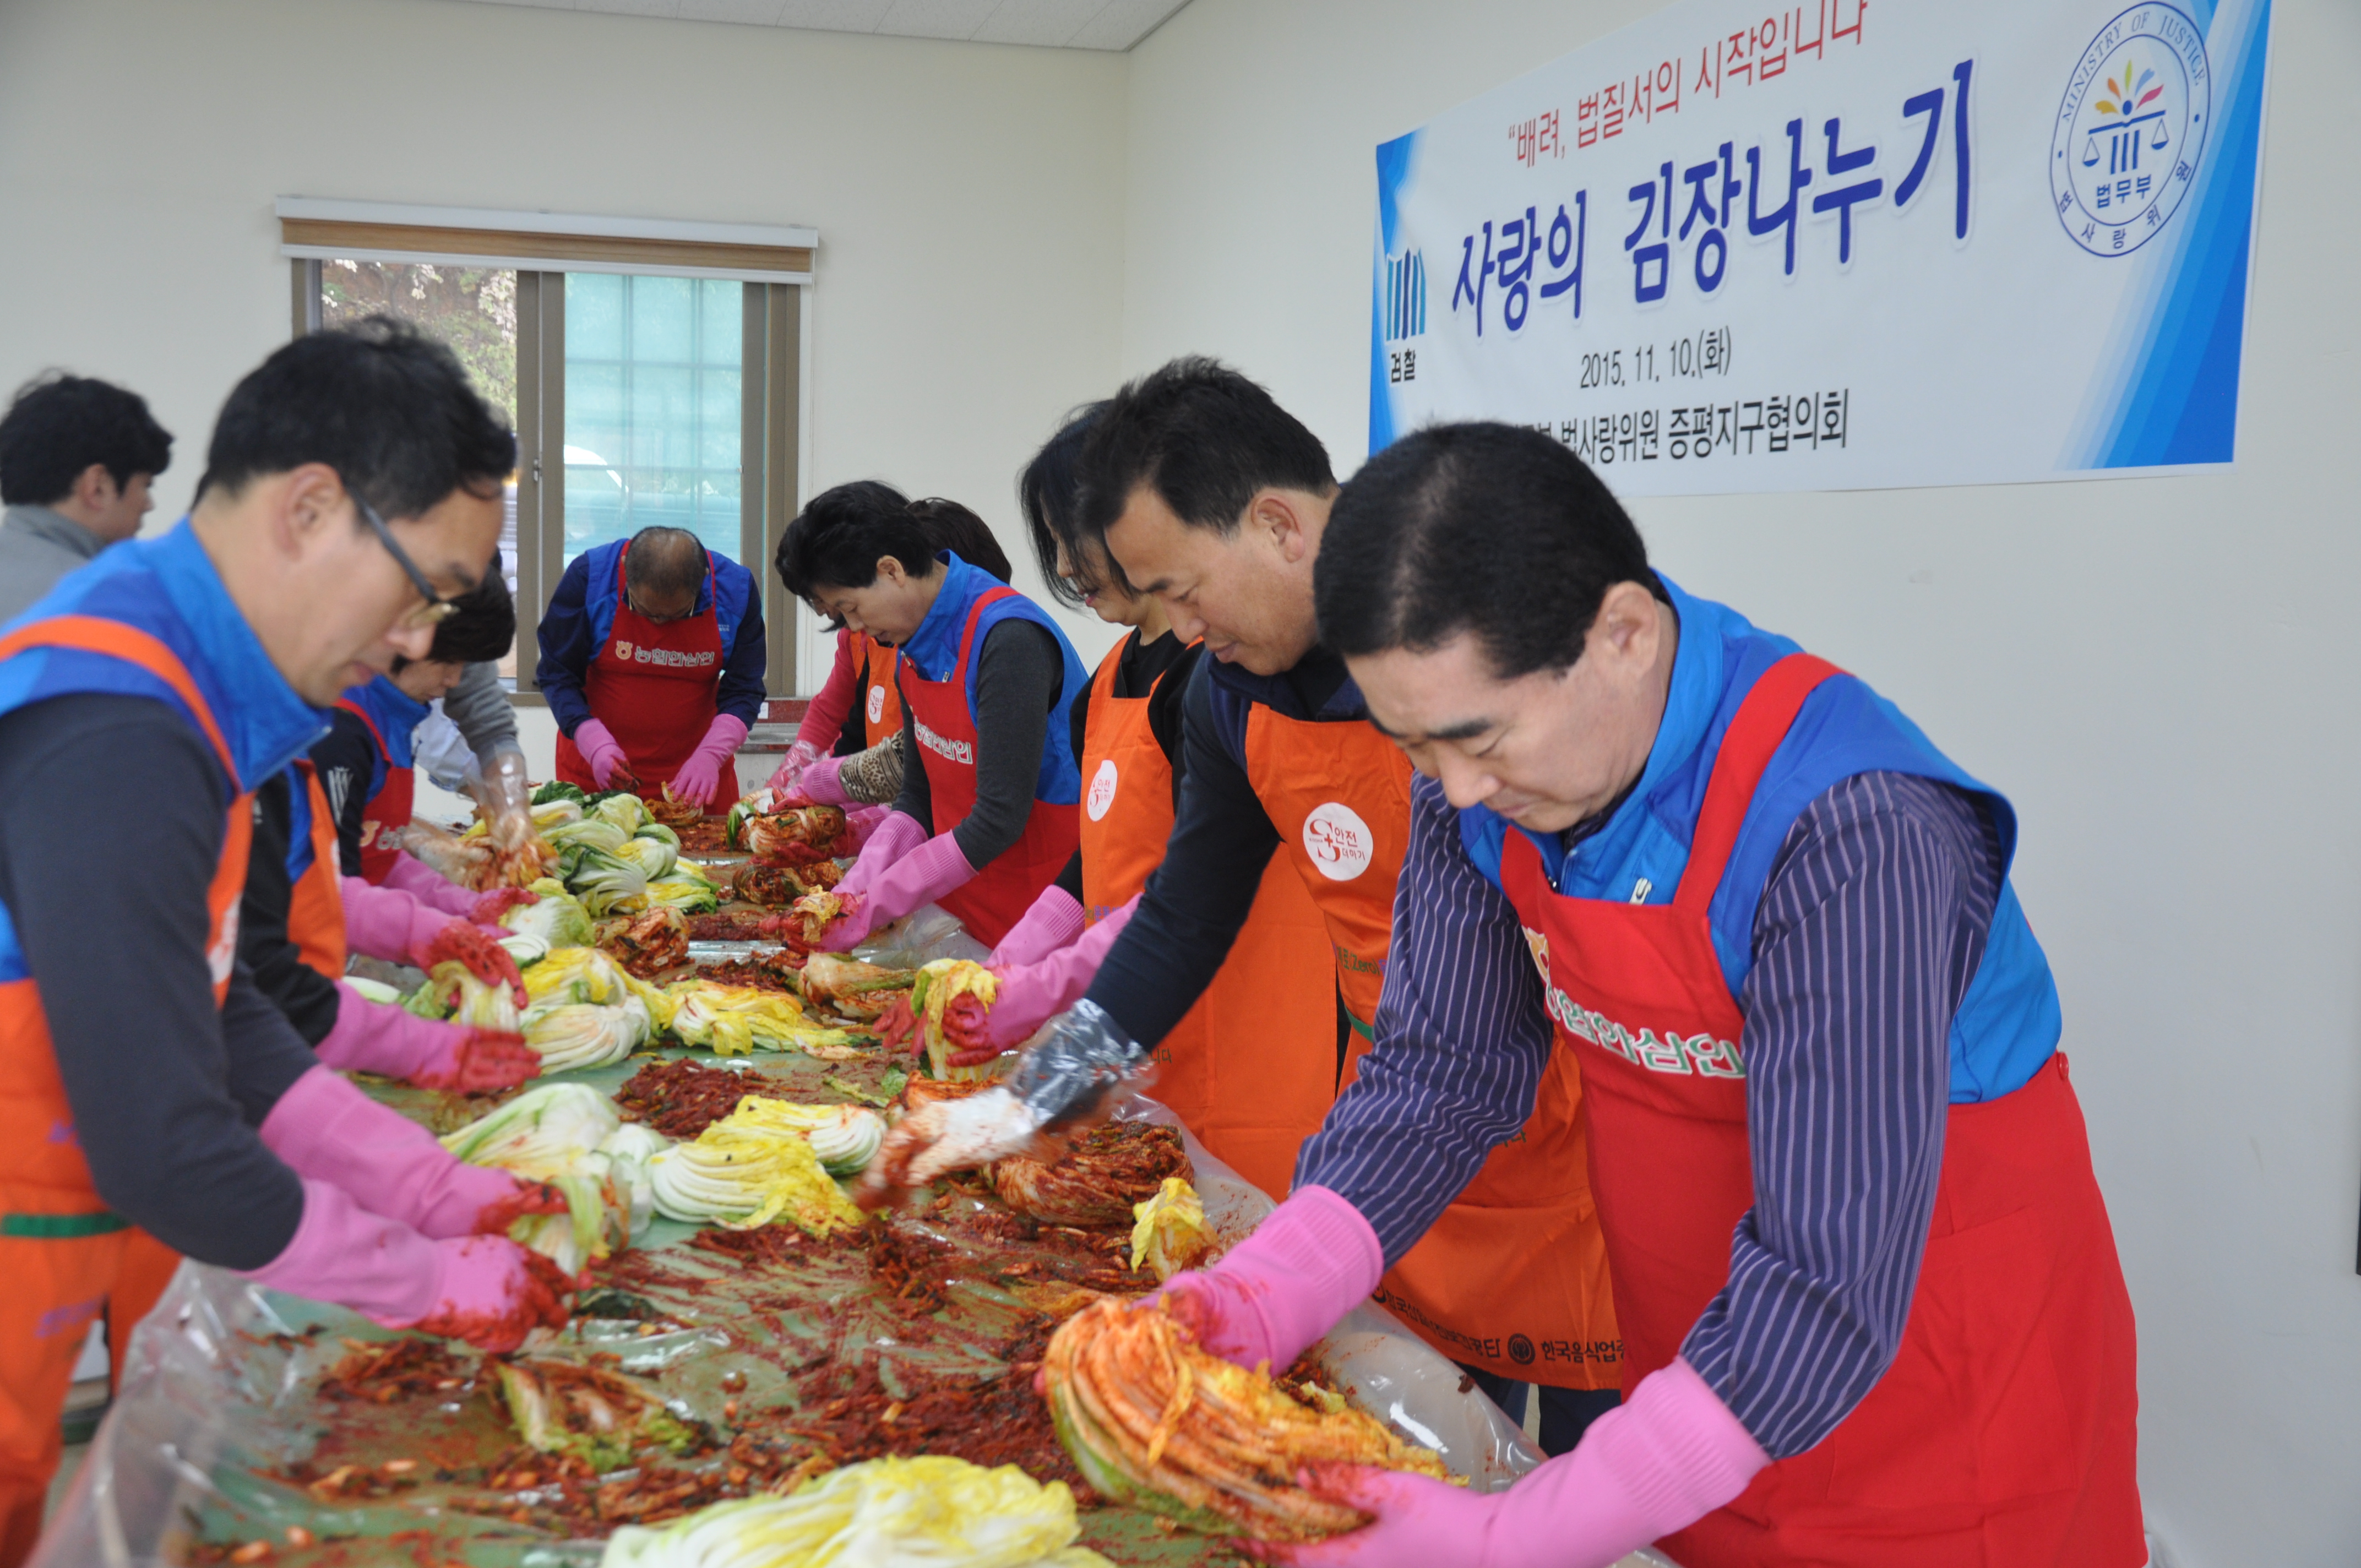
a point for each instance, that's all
(823, 782)
(925, 874)
(422, 882)
(1032, 994)
(1311, 1261)
(1660, 1462)
(1054, 920)
(699, 777)
(376, 1037)
(605, 755)
(862, 823)
(329, 1130)
(485, 1289)
(383, 922)
(890, 839)
(800, 755)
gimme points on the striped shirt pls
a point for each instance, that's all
(1866, 939)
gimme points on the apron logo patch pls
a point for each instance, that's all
(959, 752)
(1101, 790)
(876, 704)
(1338, 841)
(369, 833)
(622, 649)
(224, 952)
(1670, 1053)
(671, 658)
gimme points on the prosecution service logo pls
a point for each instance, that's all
(2131, 130)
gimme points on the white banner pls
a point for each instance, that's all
(1840, 245)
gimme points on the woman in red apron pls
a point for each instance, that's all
(1868, 1292)
(987, 817)
(652, 658)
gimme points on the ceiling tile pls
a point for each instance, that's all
(631, 7)
(1123, 23)
(936, 18)
(762, 12)
(1044, 22)
(834, 15)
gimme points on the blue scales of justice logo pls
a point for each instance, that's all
(2131, 130)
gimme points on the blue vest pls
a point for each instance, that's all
(397, 715)
(2009, 1022)
(728, 589)
(167, 587)
(935, 645)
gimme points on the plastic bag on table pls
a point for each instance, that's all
(924, 935)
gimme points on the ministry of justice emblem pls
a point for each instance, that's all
(2131, 129)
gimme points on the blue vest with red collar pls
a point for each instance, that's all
(935, 645)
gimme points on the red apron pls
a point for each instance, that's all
(654, 685)
(999, 893)
(388, 811)
(2005, 1432)
(1513, 1276)
(1251, 1068)
(881, 700)
(65, 1257)
(315, 903)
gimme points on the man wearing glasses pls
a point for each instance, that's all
(150, 1095)
(652, 658)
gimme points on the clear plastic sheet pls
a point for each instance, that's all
(926, 934)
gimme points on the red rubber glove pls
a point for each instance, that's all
(461, 943)
(489, 907)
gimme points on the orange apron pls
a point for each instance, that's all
(654, 686)
(1513, 1276)
(881, 700)
(1251, 1067)
(315, 903)
(66, 1257)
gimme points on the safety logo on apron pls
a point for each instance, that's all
(1102, 796)
(876, 704)
(1338, 841)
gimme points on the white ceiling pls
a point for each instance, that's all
(1057, 24)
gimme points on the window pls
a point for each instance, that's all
(653, 371)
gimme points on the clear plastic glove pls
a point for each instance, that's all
(925, 874)
(507, 798)
(1053, 920)
(699, 778)
(469, 945)
(1655, 1464)
(378, 1038)
(1031, 994)
(329, 1130)
(800, 755)
(605, 754)
(414, 876)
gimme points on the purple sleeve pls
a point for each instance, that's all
(1868, 934)
(1462, 1039)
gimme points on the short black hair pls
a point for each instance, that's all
(952, 527)
(843, 531)
(484, 626)
(1482, 528)
(389, 408)
(1204, 438)
(664, 560)
(1050, 494)
(58, 425)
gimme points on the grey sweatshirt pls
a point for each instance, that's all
(38, 547)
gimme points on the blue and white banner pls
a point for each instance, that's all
(1823, 249)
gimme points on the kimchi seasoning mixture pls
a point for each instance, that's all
(680, 1098)
(386, 1372)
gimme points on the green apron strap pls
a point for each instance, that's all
(61, 1227)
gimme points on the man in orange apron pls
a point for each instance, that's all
(652, 657)
(150, 1099)
(1871, 1299)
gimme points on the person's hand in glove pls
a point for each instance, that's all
(800, 755)
(1030, 994)
(1653, 1465)
(484, 1290)
(823, 784)
(378, 1038)
(384, 923)
(423, 882)
(1054, 920)
(699, 778)
(461, 943)
(925, 874)
(605, 754)
(1311, 1261)
(489, 907)
(507, 798)
(326, 1129)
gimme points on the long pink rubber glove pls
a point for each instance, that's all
(697, 778)
(327, 1130)
(1032, 994)
(1669, 1456)
(605, 754)
(1054, 920)
(823, 782)
(1311, 1261)
(862, 824)
(890, 839)
(422, 882)
(485, 1289)
(925, 874)
(800, 756)
(376, 1037)
(385, 923)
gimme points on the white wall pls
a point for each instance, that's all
(2159, 671)
(969, 198)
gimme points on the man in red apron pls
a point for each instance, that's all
(1871, 1300)
(653, 658)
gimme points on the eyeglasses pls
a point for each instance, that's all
(436, 609)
